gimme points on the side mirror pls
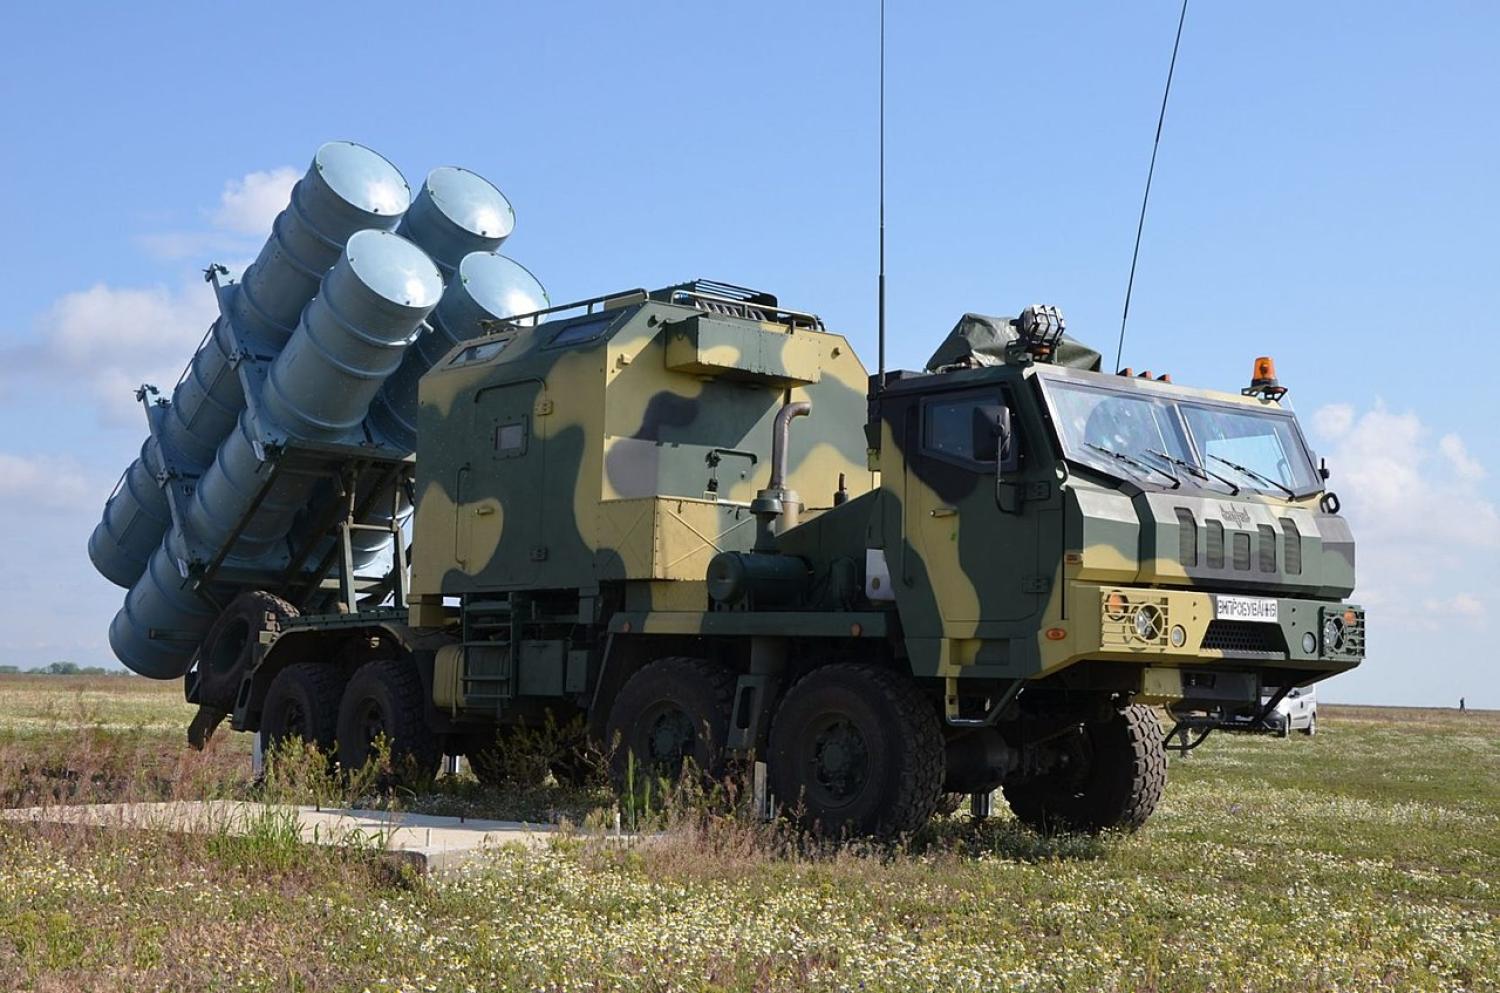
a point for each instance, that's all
(992, 433)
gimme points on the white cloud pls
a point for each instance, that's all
(111, 339)
(236, 226)
(1425, 530)
(115, 339)
(249, 204)
(45, 484)
(1457, 454)
(1334, 420)
(1466, 605)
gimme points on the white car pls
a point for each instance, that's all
(1297, 711)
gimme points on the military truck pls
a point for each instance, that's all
(692, 520)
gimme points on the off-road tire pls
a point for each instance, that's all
(899, 784)
(949, 804)
(227, 650)
(302, 702)
(386, 696)
(1120, 787)
(700, 691)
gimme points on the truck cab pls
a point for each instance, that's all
(1039, 517)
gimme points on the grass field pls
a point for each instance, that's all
(1365, 858)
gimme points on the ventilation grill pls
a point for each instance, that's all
(1291, 547)
(1242, 551)
(1245, 639)
(1267, 548)
(1215, 545)
(1353, 640)
(1187, 537)
(1354, 635)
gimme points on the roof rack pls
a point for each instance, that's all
(729, 300)
(707, 295)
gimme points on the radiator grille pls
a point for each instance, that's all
(1242, 551)
(1245, 638)
(1215, 535)
(1291, 547)
(1187, 537)
(1267, 548)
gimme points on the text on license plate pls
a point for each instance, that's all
(1244, 608)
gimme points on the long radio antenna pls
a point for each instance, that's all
(1146, 197)
(880, 291)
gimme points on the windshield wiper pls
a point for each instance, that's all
(1128, 460)
(1197, 470)
(1246, 470)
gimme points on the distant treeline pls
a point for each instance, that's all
(62, 669)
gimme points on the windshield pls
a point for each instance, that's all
(1182, 441)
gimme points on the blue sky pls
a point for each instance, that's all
(1326, 193)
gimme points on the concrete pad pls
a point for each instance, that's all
(428, 843)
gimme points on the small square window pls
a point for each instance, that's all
(580, 331)
(510, 439)
(480, 352)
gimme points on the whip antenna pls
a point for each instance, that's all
(1145, 199)
(880, 291)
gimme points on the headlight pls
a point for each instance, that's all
(1179, 636)
(1333, 635)
(1116, 606)
(1148, 622)
(1310, 643)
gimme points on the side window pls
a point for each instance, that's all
(969, 430)
(510, 438)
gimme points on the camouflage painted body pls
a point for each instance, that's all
(986, 592)
(621, 446)
(612, 455)
(597, 490)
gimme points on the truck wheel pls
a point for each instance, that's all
(1112, 776)
(670, 711)
(227, 649)
(856, 748)
(385, 698)
(949, 804)
(302, 702)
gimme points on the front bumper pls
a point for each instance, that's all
(1184, 627)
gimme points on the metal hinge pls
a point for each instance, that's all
(543, 407)
(1036, 584)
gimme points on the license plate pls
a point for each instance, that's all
(1245, 608)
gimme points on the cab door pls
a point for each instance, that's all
(971, 517)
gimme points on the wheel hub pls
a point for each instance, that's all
(670, 738)
(296, 722)
(372, 723)
(840, 761)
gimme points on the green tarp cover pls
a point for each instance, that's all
(979, 340)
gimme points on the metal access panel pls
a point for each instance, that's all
(709, 346)
(541, 669)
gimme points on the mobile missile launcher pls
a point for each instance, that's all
(690, 518)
